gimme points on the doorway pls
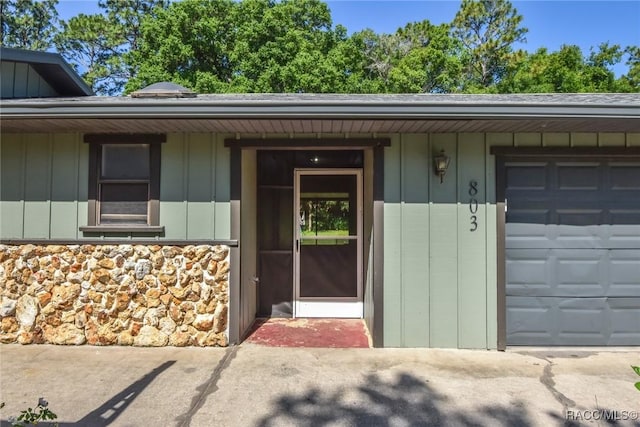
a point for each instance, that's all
(328, 243)
(287, 257)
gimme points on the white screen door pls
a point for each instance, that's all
(328, 243)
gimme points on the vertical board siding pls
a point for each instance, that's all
(611, 139)
(582, 139)
(443, 248)
(472, 242)
(20, 80)
(527, 139)
(33, 83)
(222, 195)
(7, 71)
(37, 194)
(414, 233)
(392, 245)
(11, 186)
(200, 187)
(440, 277)
(64, 187)
(556, 139)
(44, 187)
(173, 204)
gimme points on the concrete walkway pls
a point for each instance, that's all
(252, 385)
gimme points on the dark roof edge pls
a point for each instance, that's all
(328, 111)
(51, 58)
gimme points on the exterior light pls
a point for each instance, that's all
(441, 163)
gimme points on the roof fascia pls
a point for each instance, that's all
(187, 110)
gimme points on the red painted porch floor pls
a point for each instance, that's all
(300, 332)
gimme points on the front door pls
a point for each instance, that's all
(328, 243)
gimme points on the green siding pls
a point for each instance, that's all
(37, 187)
(611, 139)
(472, 245)
(11, 186)
(415, 211)
(20, 80)
(553, 139)
(173, 208)
(64, 187)
(580, 139)
(393, 309)
(7, 71)
(440, 278)
(443, 259)
(200, 208)
(44, 187)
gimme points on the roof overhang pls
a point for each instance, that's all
(53, 68)
(331, 114)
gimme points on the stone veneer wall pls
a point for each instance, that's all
(141, 295)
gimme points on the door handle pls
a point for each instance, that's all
(297, 245)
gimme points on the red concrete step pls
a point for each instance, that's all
(303, 332)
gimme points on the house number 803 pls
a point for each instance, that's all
(473, 204)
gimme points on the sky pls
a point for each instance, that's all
(586, 23)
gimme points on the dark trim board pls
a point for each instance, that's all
(235, 259)
(125, 138)
(501, 254)
(565, 151)
(377, 334)
(294, 144)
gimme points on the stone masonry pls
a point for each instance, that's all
(141, 295)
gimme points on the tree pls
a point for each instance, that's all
(432, 63)
(248, 46)
(566, 70)
(487, 30)
(28, 24)
(187, 43)
(100, 46)
(90, 43)
(630, 82)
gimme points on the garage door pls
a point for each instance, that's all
(572, 251)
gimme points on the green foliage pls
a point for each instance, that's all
(90, 42)
(564, 71)
(222, 46)
(33, 416)
(487, 30)
(636, 369)
(248, 46)
(102, 44)
(28, 24)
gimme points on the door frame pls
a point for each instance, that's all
(346, 307)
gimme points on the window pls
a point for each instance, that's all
(124, 182)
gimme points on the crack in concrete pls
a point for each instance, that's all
(208, 388)
(547, 380)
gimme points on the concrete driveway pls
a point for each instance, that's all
(251, 385)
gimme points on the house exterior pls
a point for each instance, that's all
(460, 221)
